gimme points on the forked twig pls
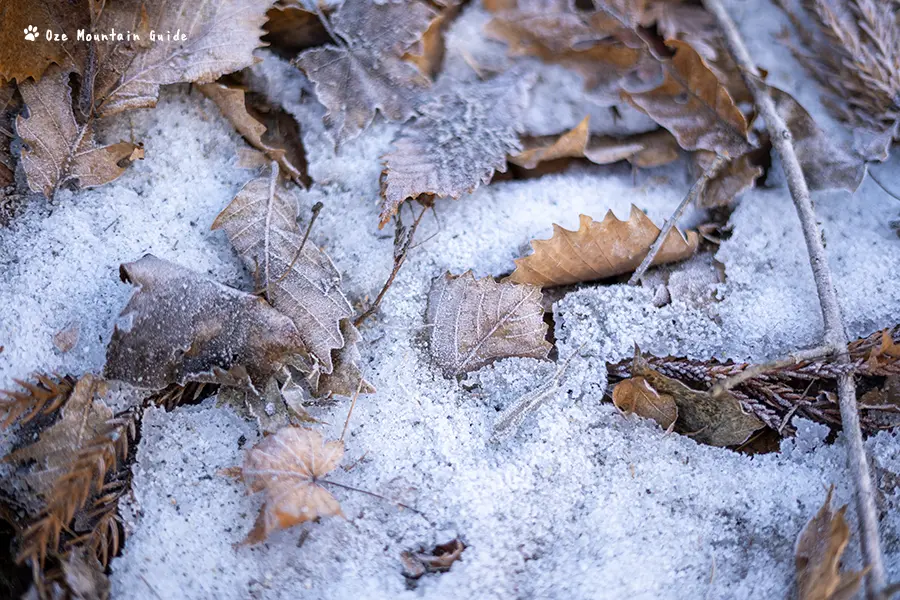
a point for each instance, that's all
(835, 334)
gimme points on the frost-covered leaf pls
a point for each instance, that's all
(266, 406)
(643, 150)
(713, 420)
(364, 72)
(181, 326)
(284, 147)
(286, 466)
(7, 162)
(345, 379)
(261, 223)
(599, 249)
(460, 139)
(817, 557)
(476, 321)
(635, 396)
(57, 149)
(738, 176)
(825, 164)
(218, 38)
(694, 105)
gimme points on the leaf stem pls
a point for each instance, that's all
(368, 493)
(315, 215)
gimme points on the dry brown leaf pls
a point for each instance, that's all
(644, 150)
(233, 104)
(737, 177)
(266, 407)
(717, 421)
(825, 164)
(181, 326)
(22, 58)
(58, 150)
(817, 557)
(635, 396)
(694, 105)
(599, 249)
(291, 28)
(439, 560)
(261, 223)
(7, 161)
(457, 143)
(428, 52)
(287, 467)
(476, 321)
(345, 379)
(66, 338)
(364, 71)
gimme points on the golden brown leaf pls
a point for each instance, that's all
(287, 467)
(644, 150)
(738, 176)
(599, 249)
(22, 58)
(428, 52)
(636, 396)
(694, 105)
(291, 28)
(817, 557)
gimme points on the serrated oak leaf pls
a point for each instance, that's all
(457, 143)
(694, 105)
(476, 321)
(599, 249)
(25, 51)
(181, 326)
(364, 72)
(286, 466)
(261, 223)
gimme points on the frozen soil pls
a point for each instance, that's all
(580, 503)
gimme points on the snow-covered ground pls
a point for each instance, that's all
(582, 502)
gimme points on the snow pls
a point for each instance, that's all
(581, 502)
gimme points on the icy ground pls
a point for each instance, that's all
(582, 502)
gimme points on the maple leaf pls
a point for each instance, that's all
(636, 396)
(643, 150)
(287, 467)
(457, 143)
(477, 321)
(694, 105)
(825, 164)
(364, 71)
(599, 249)
(713, 420)
(181, 326)
(218, 38)
(57, 149)
(817, 557)
(288, 153)
(738, 176)
(304, 285)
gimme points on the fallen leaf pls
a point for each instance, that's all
(181, 326)
(232, 102)
(738, 176)
(66, 338)
(645, 150)
(635, 396)
(364, 72)
(287, 467)
(599, 249)
(291, 28)
(825, 164)
(84, 576)
(886, 352)
(345, 379)
(267, 407)
(694, 105)
(439, 560)
(22, 58)
(817, 557)
(428, 52)
(457, 143)
(218, 38)
(57, 150)
(476, 321)
(7, 161)
(717, 421)
(261, 223)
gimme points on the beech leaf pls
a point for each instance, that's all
(286, 466)
(364, 71)
(261, 224)
(643, 150)
(57, 150)
(476, 321)
(694, 106)
(457, 143)
(636, 396)
(181, 326)
(817, 557)
(599, 249)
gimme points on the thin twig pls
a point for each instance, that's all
(694, 193)
(835, 334)
(315, 214)
(352, 406)
(761, 369)
(399, 259)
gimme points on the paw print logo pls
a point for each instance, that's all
(31, 33)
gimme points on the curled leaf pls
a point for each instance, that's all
(636, 396)
(599, 249)
(736, 177)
